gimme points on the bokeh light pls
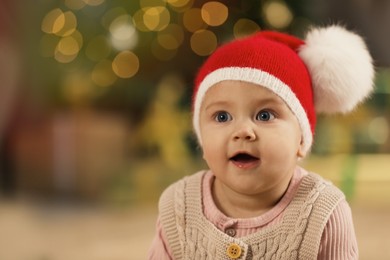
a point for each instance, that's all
(156, 18)
(94, 2)
(214, 13)
(171, 37)
(68, 48)
(111, 15)
(102, 74)
(70, 24)
(78, 37)
(203, 42)
(180, 5)
(192, 20)
(138, 20)
(126, 64)
(277, 14)
(53, 21)
(62, 24)
(59, 23)
(63, 58)
(75, 4)
(244, 27)
(123, 33)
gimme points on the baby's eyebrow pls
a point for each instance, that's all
(264, 101)
(271, 100)
(216, 103)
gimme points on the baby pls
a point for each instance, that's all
(254, 114)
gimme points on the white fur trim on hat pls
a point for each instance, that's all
(340, 67)
(260, 78)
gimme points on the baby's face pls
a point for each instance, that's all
(250, 138)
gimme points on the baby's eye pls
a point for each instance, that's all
(223, 116)
(265, 115)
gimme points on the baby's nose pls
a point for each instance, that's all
(245, 132)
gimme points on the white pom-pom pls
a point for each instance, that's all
(340, 66)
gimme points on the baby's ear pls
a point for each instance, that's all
(301, 153)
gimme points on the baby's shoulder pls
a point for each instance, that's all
(322, 188)
(176, 190)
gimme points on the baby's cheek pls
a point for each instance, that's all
(210, 152)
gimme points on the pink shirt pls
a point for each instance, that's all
(338, 240)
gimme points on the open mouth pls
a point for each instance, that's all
(245, 161)
(244, 158)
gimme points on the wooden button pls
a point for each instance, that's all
(230, 231)
(233, 251)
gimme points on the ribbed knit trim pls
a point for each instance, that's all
(322, 209)
(174, 223)
(260, 78)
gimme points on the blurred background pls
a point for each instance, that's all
(95, 117)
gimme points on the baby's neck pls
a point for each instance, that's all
(237, 205)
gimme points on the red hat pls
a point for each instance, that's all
(330, 71)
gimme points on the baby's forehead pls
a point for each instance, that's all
(227, 95)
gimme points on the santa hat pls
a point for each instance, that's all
(330, 71)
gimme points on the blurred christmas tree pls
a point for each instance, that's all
(113, 55)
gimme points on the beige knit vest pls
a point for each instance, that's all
(298, 235)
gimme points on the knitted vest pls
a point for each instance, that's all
(297, 236)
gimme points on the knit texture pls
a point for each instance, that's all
(191, 236)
